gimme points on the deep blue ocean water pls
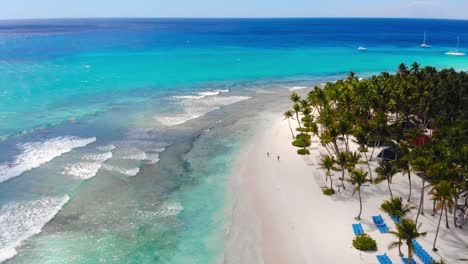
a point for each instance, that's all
(87, 107)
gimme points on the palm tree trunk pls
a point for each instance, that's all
(368, 166)
(446, 219)
(336, 148)
(372, 153)
(399, 247)
(342, 178)
(455, 210)
(409, 181)
(410, 252)
(298, 121)
(360, 204)
(434, 211)
(389, 189)
(331, 181)
(290, 128)
(421, 203)
(438, 226)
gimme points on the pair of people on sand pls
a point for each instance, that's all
(268, 155)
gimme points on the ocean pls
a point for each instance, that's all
(118, 136)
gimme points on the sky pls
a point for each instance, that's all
(21, 9)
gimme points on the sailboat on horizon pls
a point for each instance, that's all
(424, 44)
(456, 52)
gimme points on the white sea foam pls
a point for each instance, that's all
(106, 147)
(21, 220)
(297, 88)
(188, 96)
(197, 108)
(35, 154)
(171, 209)
(202, 94)
(98, 156)
(127, 172)
(82, 170)
(87, 170)
(134, 154)
(166, 210)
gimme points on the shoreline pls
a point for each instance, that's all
(296, 223)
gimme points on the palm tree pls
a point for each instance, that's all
(407, 231)
(421, 165)
(362, 139)
(358, 178)
(403, 163)
(342, 162)
(396, 208)
(328, 163)
(442, 193)
(386, 170)
(297, 109)
(289, 115)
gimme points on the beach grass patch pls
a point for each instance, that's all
(327, 191)
(365, 243)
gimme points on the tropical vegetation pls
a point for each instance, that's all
(418, 119)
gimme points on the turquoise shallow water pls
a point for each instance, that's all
(108, 125)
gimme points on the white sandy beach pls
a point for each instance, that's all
(281, 215)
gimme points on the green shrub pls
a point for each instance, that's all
(303, 152)
(306, 119)
(365, 243)
(328, 191)
(301, 141)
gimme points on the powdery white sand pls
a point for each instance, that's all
(289, 220)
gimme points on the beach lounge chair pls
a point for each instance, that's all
(422, 253)
(380, 224)
(405, 261)
(358, 230)
(395, 219)
(384, 259)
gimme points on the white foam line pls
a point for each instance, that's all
(22, 220)
(87, 170)
(196, 108)
(294, 88)
(127, 172)
(35, 154)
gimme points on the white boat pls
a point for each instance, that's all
(361, 48)
(456, 52)
(424, 44)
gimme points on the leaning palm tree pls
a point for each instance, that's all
(442, 193)
(289, 115)
(407, 231)
(328, 163)
(386, 170)
(358, 178)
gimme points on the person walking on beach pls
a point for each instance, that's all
(268, 154)
(278, 157)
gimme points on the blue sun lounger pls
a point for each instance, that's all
(384, 259)
(395, 219)
(380, 224)
(422, 254)
(358, 230)
(405, 261)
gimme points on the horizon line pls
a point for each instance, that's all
(181, 17)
